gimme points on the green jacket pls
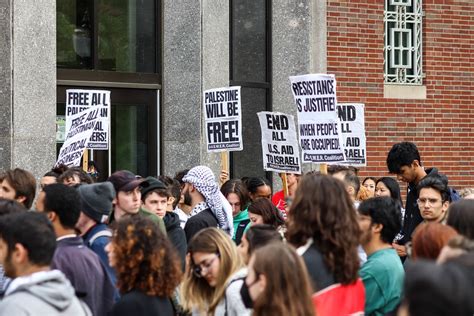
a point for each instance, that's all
(243, 216)
(144, 212)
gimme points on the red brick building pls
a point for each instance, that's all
(437, 115)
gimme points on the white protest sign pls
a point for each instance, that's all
(352, 129)
(79, 100)
(318, 123)
(279, 143)
(77, 137)
(223, 119)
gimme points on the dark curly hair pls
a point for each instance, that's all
(323, 210)
(145, 258)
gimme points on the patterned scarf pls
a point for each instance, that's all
(202, 178)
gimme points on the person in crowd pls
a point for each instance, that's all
(93, 170)
(387, 186)
(428, 240)
(439, 289)
(262, 211)
(7, 207)
(202, 192)
(277, 282)
(363, 194)
(96, 201)
(49, 177)
(457, 246)
(174, 190)
(322, 222)
(73, 176)
(404, 161)
(19, 185)
(433, 199)
(28, 244)
(351, 181)
(278, 199)
(467, 193)
(255, 237)
(62, 206)
(461, 217)
(214, 276)
(147, 268)
(183, 210)
(369, 184)
(379, 220)
(236, 193)
(258, 188)
(155, 196)
(127, 201)
(52, 175)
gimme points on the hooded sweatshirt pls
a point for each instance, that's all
(42, 293)
(176, 235)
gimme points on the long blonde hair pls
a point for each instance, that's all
(196, 292)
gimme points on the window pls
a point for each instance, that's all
(403, 42)
(250, 68)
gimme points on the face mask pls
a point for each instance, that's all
(245, 294)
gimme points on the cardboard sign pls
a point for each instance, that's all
(77, 137)
(80, 100)
(223, 119)
(351, 116)
(318, 123)
(279, 143)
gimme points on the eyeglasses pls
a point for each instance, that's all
(423, 201)
(198, 269)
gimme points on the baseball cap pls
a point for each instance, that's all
(124, 180)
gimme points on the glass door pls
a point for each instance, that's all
(134, 131)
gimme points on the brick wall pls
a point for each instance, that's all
(442, 126)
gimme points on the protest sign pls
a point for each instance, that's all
(80, 100)
(318, 123)
(78, 136)
(223, 119)
(279, 143)
(353, 132)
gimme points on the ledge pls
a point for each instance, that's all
(404, 92)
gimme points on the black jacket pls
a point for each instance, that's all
(412, 213)
(176, 235)
(138, 303)
(199, 221)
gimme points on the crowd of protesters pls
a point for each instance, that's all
(185, 245)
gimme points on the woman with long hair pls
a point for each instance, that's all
(238, 197)
(255, 237)
(323, 223)
(387, 186)
(262, 211)
(148, 268)
(277, 282)
(369, 184)
(213, 276)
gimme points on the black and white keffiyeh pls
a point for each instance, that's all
(202, 178)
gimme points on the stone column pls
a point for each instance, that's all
(299, 34)
(28, 85)
(181, 84)
(195, 58)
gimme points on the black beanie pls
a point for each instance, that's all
(97, 200)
